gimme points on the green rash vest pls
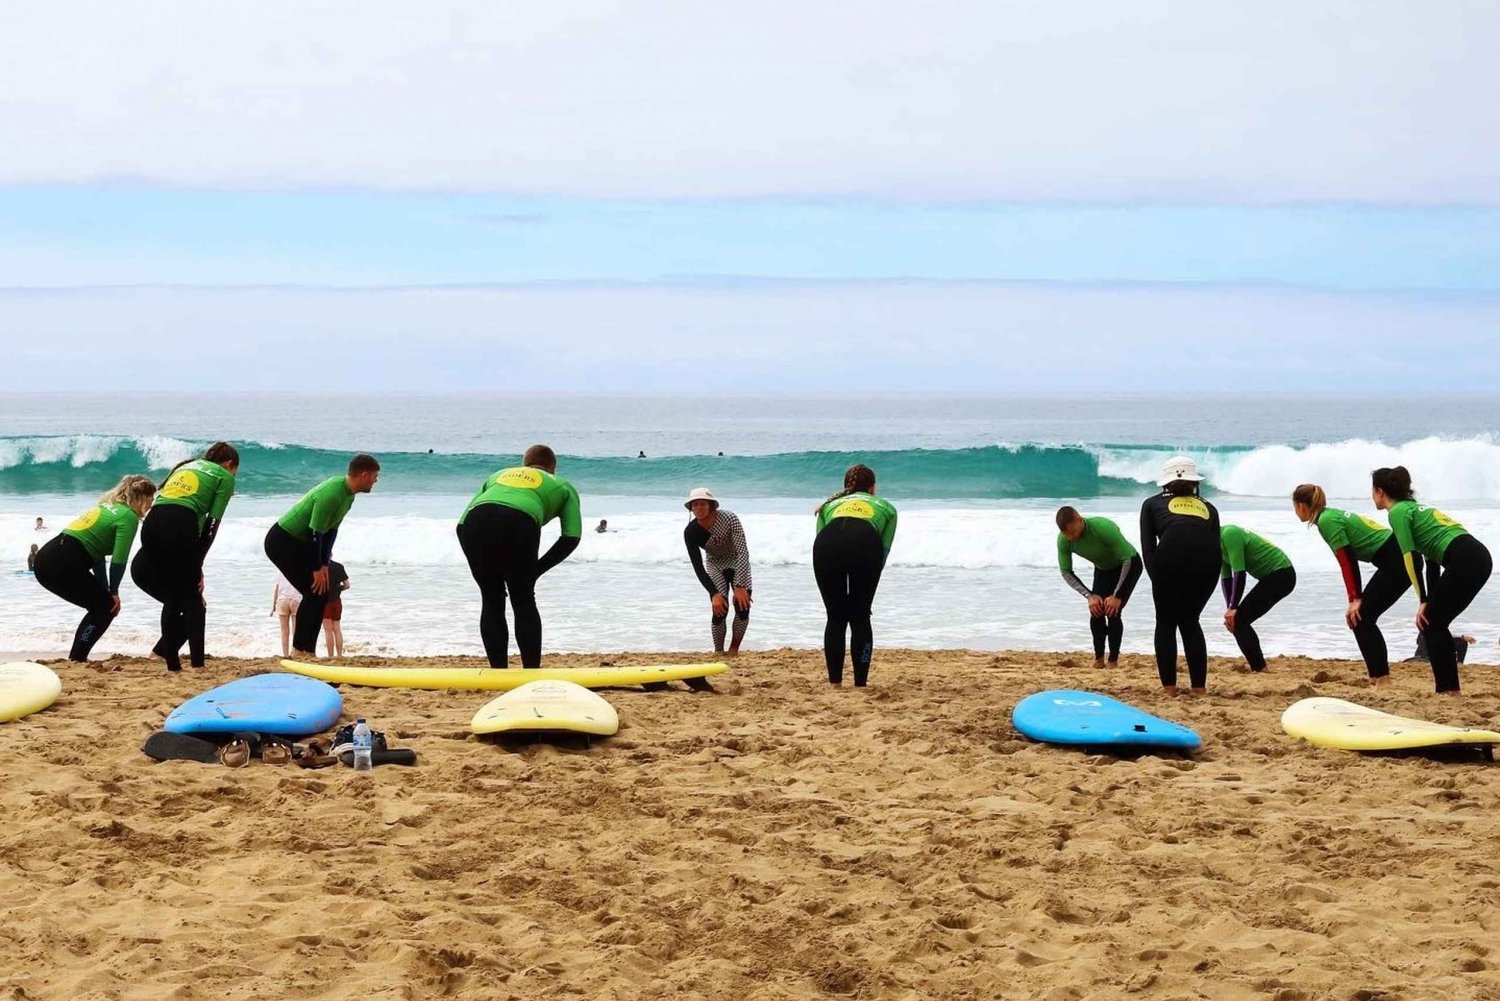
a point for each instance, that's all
(107, 530)
(1101, 544)
(321, 509)
(537, 492)
(1363, 536)
(203, 486)
(1245, 551)
(1425, 530)
(878, 511)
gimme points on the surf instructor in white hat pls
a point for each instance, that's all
(1180, 547)
(717, 534)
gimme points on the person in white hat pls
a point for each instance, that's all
(718, 534)
(1180, 547)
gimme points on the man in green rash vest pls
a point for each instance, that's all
(1245, 553)
(301, 543)
(1117, 568)
(500, 533)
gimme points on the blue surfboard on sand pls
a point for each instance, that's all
(1088, 719)
(287, 705)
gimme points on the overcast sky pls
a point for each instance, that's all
(1134, 178)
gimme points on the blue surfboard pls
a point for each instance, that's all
(1088, 719)
(287, 705)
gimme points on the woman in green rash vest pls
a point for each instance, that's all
(71, 566)
(1458, 565)
(1246, 554)
(1117, 568)
(1356, 539)
(855, 531)
(500, 533)
(174, 543)
(300, 544)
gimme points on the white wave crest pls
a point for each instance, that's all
(80, 450)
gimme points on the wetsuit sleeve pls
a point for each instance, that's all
(561, 550)
(693, 540)
(1071, 579)
(572, 515)
(1353, 586)
(101, 575)
(741, 551)
(1234, 589)
(323, 547)
(206, 540)
(1148, 537)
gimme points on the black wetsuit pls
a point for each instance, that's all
(1376, 596)
(168, 566)
(64, 567)
(501, 544)
(1180, 548)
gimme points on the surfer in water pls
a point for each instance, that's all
(1117, 568)
(500, 533)
(71, 565)
(300, 544)
(175, 540)
(1245, 554)
(718, 535)
(1180, 548)
(1355, 539)
(855, 531)
(1458, 566)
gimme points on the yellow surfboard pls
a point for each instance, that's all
(1353, 727)
(26, 688)
(491, 679)
(547, 706)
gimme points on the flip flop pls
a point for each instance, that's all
(235, 754)
(274, 751)
(313, 754)
(165, 746)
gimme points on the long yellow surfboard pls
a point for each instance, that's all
(1353, 727)
(491, 679)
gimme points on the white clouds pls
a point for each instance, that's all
(761, 336)
(1177, 101)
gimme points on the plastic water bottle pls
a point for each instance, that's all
(362, 762)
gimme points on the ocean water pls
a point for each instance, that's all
(976, 479)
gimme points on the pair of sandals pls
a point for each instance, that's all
(277, 751)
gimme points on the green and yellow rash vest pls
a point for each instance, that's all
(1352, 537)
(204, 487)
(541, 494)
(1425, 531)
(1102, 544)
(879, 512)
(320, 511)
(107, 530)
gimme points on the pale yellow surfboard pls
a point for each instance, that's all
(547, 705)
(26, 688)
(1353, 727)
(491, 679)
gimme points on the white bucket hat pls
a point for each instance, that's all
(701, 493)
(1179, 467)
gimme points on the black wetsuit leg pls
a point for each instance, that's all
(64, 568)
(1183, 578)
(847, 560)
(298, 561)
(1384, 588)
(1112, 628)
(1261, 598)
(501, 545)
(1466, 567)
(167, 567)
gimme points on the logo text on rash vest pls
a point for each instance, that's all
(183, 483)
(1190, 506)
(1371, 523)
(855, 509)
(85, 521)
(1441, 518)
(526, 479)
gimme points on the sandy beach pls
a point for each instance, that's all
(775, 839)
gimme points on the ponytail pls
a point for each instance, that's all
(1312, 495)
(858, 478)
(222, 453)
(132, 491)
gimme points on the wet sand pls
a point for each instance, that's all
(775, 839)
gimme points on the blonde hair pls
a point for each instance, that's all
(132, 491)
(1312, 495)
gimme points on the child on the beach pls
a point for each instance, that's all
(284, 601)
(333, 610)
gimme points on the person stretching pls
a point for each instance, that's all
(1355, 539)
(855, 531)
(726, 578)
(500, 533)
(71, 565)
(1180, 548)
(1458, 566)
(300, 544)
(1243, 553)
(1117, 567)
